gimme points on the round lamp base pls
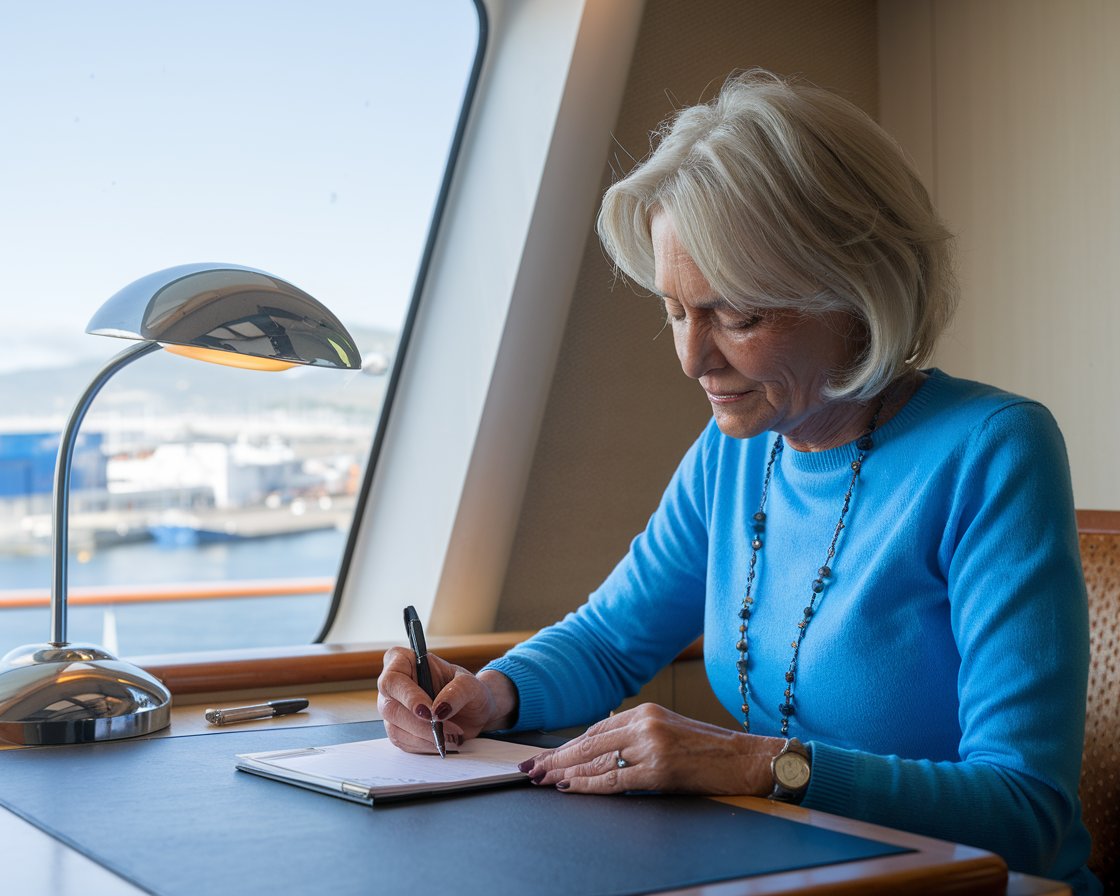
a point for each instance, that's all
(76, 694)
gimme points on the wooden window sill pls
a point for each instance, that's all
(319, 664)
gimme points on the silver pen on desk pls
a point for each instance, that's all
(256, 711)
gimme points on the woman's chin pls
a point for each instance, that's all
(737, 426)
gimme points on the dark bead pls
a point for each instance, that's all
(746, 709)
(808, 611)
(742, 678)
(789, 676)
(855, 465)
(818, 586)
(742, 628)
(785, 726)
(741, 646)
(824, 572)
(865, 443)
(786, 709)
(741, 665)
(757, 544)
(787, 693)
(745, 613)
(760, 517)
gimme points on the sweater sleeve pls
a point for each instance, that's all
(648, 610)
(1018, 611)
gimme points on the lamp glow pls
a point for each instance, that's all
(228, 359)
(63, 693)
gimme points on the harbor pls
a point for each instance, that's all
(138, 627)
(197, 488)
(240, 478)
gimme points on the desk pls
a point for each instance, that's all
(46, 866)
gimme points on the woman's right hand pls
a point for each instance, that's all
(465, 703)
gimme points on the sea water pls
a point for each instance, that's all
(172, 626)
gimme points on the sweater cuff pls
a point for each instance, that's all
(530, 694)
(832, 783)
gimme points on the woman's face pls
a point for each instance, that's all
(761, 371)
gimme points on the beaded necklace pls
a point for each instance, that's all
(864, 444)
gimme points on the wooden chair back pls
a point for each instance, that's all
(1099, 534)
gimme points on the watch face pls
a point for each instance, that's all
(792, 770)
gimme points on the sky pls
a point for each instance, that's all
(306, 139)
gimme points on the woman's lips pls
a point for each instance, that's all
(725, 397)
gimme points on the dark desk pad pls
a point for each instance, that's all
(173, 816)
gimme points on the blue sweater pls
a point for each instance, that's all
(941, 682)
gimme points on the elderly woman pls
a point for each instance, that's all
(882, 558)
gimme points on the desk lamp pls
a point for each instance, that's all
(63, 693)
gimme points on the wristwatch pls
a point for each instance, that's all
(791, 769)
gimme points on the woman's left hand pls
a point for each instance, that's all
(659, 750)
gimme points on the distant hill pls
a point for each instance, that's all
(162, 382)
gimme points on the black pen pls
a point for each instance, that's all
(423, 671)
(256, 711)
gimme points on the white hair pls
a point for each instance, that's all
(788, 196)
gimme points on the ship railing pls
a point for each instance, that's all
(11, 599)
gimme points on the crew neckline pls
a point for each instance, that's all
(843, 455)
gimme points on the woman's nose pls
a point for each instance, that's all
(696, 349)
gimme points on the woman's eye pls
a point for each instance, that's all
(740, 322)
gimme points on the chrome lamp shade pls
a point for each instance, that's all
(64, 693)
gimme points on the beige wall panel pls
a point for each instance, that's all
(1024, 132)
(906, 80)
(621, 413)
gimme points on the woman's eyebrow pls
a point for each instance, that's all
(715, 303)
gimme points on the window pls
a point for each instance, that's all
(311, 141)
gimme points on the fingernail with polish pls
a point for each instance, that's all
(538, 776)
(442, 711)
(527, 766)
(424, 712)
(563, 785)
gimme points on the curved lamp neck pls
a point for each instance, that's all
(62, 467)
